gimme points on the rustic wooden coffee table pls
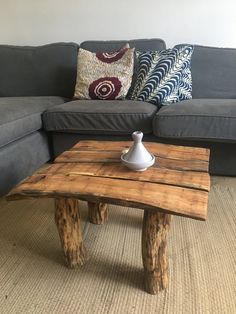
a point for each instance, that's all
(178, 184)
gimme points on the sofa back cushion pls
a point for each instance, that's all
(214, 72)
(48, 70)
(115, 45)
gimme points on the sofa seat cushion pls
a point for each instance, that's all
(100, 117)
(20, 116)
(206, 119)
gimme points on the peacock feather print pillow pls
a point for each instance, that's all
(164, 76)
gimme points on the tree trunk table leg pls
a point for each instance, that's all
(97, 213)
(67, 219)
(154, 250)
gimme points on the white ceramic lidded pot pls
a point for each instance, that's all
(137, 158)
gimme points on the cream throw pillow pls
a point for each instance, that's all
(104, 75)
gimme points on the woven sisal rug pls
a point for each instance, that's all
(33, 278)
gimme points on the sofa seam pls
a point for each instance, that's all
(124, 41)
(214, 48)
(25, 116)
(200, 116)
(12, 47)
(202, 46)
(103, 113)
(20, 137)
(92, 130)
(189, 137)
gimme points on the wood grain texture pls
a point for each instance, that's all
(75, 156)
(158, 149)
(92, 171)
(195, 180)
(67, 219)
(97, 213)
(154, 250)
(87, 156)
(167, 156)
(167, 198)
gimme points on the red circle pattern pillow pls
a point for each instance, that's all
(103, 75)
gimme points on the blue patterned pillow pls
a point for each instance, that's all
(164, 76)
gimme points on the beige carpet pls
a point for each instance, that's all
(33, 278)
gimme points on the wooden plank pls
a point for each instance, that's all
(76, 156)
(115, 146)
(182, 165)
(88, 156)
(158, 149)
(196, 180)
(168, 199)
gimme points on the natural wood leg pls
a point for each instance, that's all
(97, 213)
(155, 261)
(68, 224)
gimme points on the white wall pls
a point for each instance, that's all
(35, 22)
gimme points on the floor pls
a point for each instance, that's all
(202, 257)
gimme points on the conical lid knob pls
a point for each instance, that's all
(137, 152)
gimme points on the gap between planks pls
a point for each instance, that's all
(199, 180)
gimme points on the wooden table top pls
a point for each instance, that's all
(177, 184)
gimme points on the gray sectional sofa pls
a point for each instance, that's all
(39, 119)
(32, 80)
